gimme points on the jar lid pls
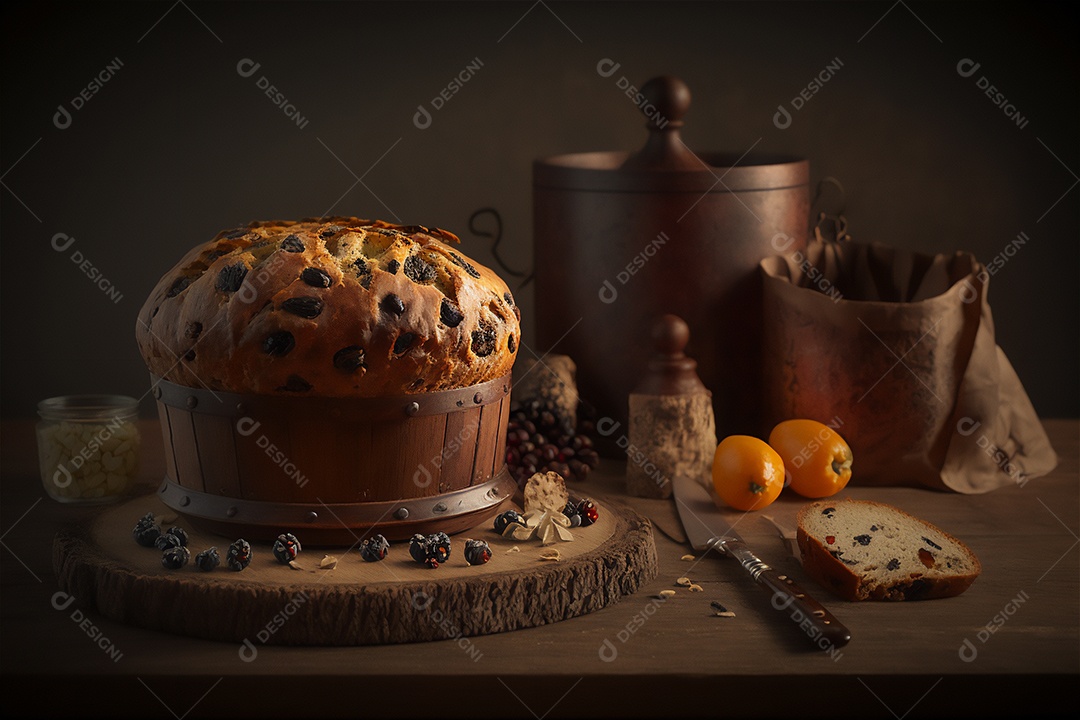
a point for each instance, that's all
(665, 164)
(87, 407)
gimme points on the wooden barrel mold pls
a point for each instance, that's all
(332, 470)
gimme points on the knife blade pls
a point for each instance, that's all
(709, 528)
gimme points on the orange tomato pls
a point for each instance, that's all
(817, 458)
(747, 473)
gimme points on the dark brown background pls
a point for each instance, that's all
(178, 145)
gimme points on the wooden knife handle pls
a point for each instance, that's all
(817, 623)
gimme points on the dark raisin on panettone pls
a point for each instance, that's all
(894, 564)
(292, 244)
(305, 307)
(316, 277)
(179, 285)
(190, 355)
(508, 298)
(192, 330)
(449, 313)
(931, 543)
(392, 304)
(392, 267)
(419, 271)
(511, 343)
(295, 383)
(404, 341)
(463, 263)
(330, 232)
(349, 359)
(363, 273)
(231, 277)
(279, 343)
(862, 539)
(483, 340)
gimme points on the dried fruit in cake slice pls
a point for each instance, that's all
(864, 550)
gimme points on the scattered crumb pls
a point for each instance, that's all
(328, 562)
(694, 587)
(552, 555)
(688, 558)
(295, 565)
(667, 593)
(684, 582)
(513, 549)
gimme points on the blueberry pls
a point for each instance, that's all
(207, 560)
(374, 548)
(504, 519)
(477, 552)
(175, 558)
(286, 548)
(239, 555)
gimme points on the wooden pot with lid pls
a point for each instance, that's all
(622, 238)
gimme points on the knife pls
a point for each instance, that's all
(708, 528)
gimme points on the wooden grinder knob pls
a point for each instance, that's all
(665, 100)
(670, 371)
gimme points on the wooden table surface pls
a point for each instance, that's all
(1010, 646)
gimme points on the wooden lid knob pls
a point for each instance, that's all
(670, 372)
(664, 100)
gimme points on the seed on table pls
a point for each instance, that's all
(688, 558)
(667, 593)
(694, 587)
(684, 581)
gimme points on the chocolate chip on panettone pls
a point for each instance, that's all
(305, 307)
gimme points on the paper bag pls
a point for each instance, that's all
(895, 350)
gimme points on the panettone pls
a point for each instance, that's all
(333, 307)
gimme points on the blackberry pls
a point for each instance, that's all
(418, 548)
(176, 557)
(179, 533)
(239, 555)
(477, 552)
(439, 546)
(286, 548)
(503, 520)
(166, 540)
(208, 560)
(146, 532)
(374, 548)
(571, 512)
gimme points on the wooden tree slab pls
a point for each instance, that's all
(357, 603)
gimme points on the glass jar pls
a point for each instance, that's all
(88, 447)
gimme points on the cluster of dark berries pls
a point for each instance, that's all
(286, 548)
(538, 441)
(375, 548)
(175, 553)
(477, 552)
(430, 550)
(581, 513)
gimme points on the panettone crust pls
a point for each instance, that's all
(333, 307)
